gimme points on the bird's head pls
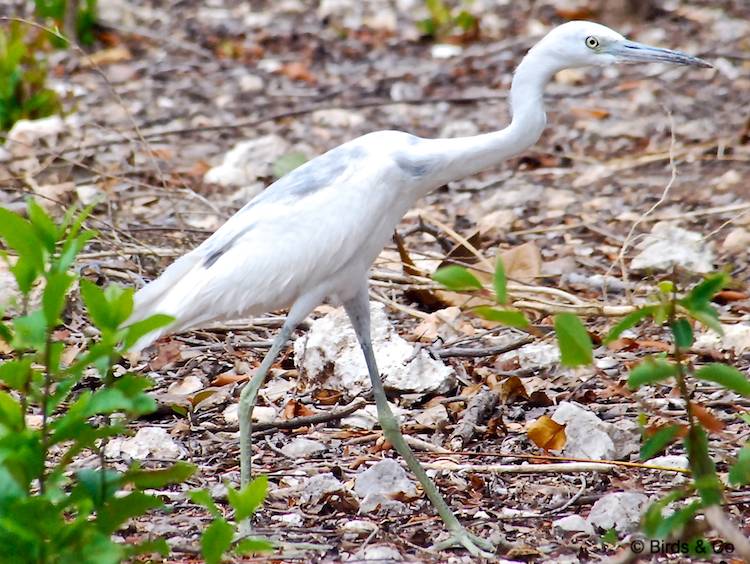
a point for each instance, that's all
(580, 44)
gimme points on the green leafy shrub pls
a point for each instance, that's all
(49, 512)
(23, 76)
(54, 11)
(573, 339)
(678, 312)
(220, 537)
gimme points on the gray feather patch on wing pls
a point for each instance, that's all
(311, 177)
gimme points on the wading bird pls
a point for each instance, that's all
(312, 235)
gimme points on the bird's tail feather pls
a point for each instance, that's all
(173, 293)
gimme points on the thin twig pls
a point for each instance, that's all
(308, 420)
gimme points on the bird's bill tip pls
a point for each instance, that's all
(631, 51)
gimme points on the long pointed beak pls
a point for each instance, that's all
(631, 51)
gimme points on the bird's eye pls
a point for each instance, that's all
(592, 42)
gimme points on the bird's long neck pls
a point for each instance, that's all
(463, 156)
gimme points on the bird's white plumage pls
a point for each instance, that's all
(320, 243)
(315, 232)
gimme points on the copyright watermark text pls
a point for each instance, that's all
(700, 546)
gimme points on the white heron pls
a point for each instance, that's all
(312, 235)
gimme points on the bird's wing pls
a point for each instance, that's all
(299, 232)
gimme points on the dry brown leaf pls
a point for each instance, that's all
(328, 397)
(298, 71)
(707, 418)
(511, 388)
(596, 113)
(726, 296)
(294, 409)
(117, 54)
(547, 434)
(523, 263)
(187, 385)
(167, 354)
(225, 379)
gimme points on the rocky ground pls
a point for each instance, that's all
(638, 164)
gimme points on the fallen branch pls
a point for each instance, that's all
(563, 468)
(468, 352)
(307, 420)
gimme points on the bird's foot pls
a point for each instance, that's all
(477, 546)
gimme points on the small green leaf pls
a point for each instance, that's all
(701, 295)
(456, 278)
(574, 341)
(140, 328)
(657, 442)
(650, 371)
(43, 225)
(21, 236)
(500, 282)
(630, 320)
(509, 317)
(709, 317)
(677, 520)
(70, 249)
(96, 305)
(216, 540)
(175, 474)
(253, 546)
(726, 376)
(610, 537)
(666, 287)
(683, 333)
(16, 373)
(53, 299)
(11, 415)
(249, 498)
(653, 516)
(119, 509)
(287, 163)
(98, 485)
(739, 472)
(30, 331)
(203, 497)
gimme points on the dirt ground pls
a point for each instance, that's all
(173, 85)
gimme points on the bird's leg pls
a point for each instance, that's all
(358, 310)
(249, 395)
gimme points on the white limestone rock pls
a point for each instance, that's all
(621, 511)
(247, 161)
(669, 245)
(331, 355)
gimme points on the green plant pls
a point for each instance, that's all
(23, 94)
(445, 21)
(573, 339)
(679, 312)
(85, 18)
(48, 511)
(220, 537)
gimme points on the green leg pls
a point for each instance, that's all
(297, 313)
(249, 395)
(358, 310)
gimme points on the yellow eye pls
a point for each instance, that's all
(592, 42)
